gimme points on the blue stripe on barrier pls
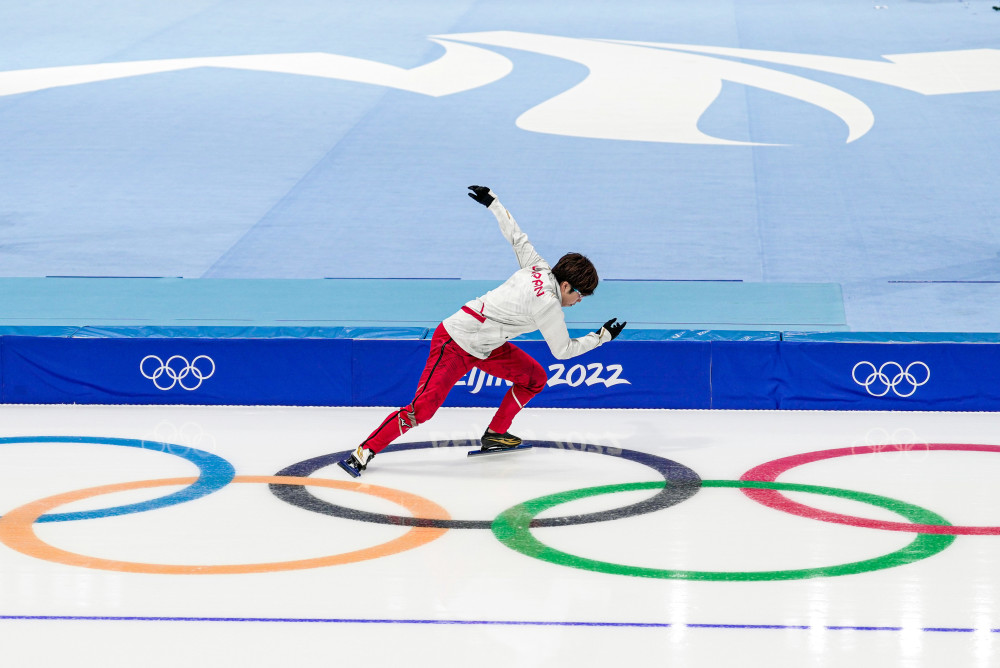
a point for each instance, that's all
(893, 337)
(250, 332)
(352, 332)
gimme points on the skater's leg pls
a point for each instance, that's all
(511, 363)
(446, 364)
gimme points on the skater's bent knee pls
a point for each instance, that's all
(537, 379)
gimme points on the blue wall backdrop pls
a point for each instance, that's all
(816, 141)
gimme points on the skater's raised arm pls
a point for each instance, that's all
(552, 326)
(526, 254)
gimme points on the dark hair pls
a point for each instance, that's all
(578, 271)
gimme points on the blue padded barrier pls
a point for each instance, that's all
(381, 366)
(637, 374)
(745, 374)
(889, 376)
(176, 371)
(838, 375)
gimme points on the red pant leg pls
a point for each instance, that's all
(446, 364)
(511, 363)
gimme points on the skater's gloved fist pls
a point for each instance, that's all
(611, 330)
(482, 194)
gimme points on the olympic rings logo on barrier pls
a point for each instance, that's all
(513, 527)
(177, 372)
(880, 379)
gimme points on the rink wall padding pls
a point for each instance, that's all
(381, 366)
(109, 303)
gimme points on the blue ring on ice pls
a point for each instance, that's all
(682, 484)
(215, 473)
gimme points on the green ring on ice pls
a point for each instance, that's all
(512, 528)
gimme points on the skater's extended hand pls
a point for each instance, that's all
(482, 194)
(611, 329)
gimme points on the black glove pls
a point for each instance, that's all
(611, 329)
(482, 195)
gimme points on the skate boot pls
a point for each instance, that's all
(493, 442)
(357, 461)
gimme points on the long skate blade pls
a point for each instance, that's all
(350, 469)
(523, 446)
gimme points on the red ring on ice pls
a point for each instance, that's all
(772, 498)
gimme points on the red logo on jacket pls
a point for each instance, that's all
(539, 285)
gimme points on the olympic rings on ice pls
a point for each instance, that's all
(682, 484)
(512, 528)
(17, 532)
(879, 378)
(216, 473)
(176, 369)
(773, 499)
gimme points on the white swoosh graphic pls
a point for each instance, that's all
(644, 94)
(461, 68)
(934, 73)
(635, 91)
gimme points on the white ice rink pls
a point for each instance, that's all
(241, 577)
